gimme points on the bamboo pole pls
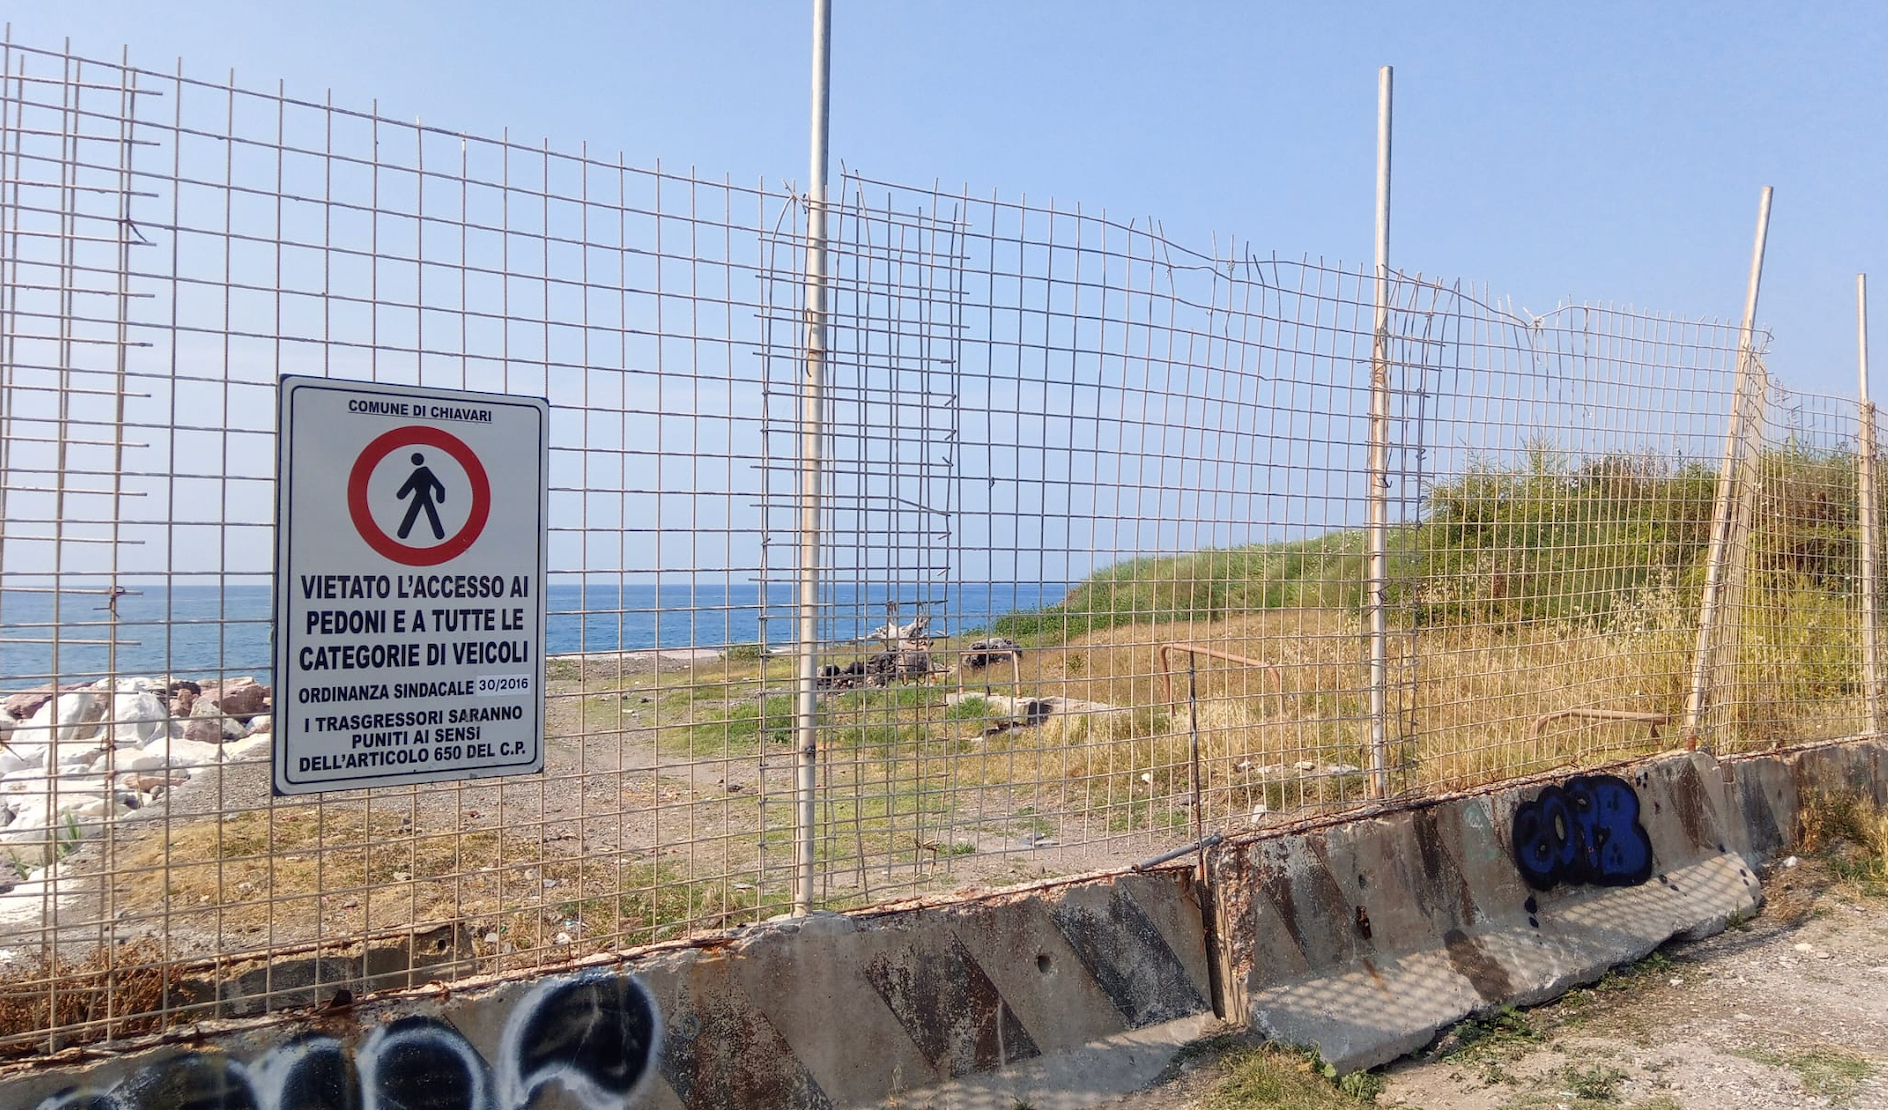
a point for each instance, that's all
(1726, 515)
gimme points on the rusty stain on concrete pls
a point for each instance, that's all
(1694, 808)
(1444, 892)
(1472, 962)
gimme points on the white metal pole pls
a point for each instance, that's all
(1865, 497)
(1377, 467)
(812, 433)
(1724, 516)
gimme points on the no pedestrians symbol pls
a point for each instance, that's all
(398, 476)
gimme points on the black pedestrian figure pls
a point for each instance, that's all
(422, 487)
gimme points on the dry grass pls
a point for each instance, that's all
(1850, 833)
(351, 872)
(1470, 699)
(119, 991)
(1476, 692)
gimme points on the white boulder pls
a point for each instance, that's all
(177, 753)
(68, 715)
(136, 716)
(78, 757)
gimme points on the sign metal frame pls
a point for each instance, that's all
(461, 697)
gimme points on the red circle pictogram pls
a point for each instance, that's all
(418, 436)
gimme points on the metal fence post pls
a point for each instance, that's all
(1865, 498)
(1725, 514)
(806, 587)
(1377, 539)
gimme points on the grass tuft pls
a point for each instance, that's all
(1850, 833)
(1831, 1073)
(1290, 1079)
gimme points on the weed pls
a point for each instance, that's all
(743, 653)
(1851, 834)
(1592, 1082)
(1654, 967)
(1364, 1086)
(1492, 1034)
(1829, 1072)
(1292, 1079)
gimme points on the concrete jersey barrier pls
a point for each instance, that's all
(1368, 937)
(1361, 937)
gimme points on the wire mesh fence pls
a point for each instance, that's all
(1092, 551)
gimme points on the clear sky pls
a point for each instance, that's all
(1610, 152)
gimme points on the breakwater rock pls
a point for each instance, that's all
(75, 758)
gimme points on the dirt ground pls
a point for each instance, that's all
(620, 783)
(1789, 1010)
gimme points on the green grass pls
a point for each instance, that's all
(742, 728)
(1591, 1082)
(1288, 1079)
(1205, 585)
(972, 708)
(1545, 537)
(888, 699)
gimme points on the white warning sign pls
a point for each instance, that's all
(411, 543)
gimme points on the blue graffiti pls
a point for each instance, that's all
(595, 1035)
(1585, 830)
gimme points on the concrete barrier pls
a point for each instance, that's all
(1057, 996)
(1367, 937)
(1771, 787)
(1363, 937)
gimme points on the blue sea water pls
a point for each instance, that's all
(211, 630)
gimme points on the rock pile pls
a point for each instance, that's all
(990, 651)
(75, 758)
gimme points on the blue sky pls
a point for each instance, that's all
(1609, 152)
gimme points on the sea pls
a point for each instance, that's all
(209, 631)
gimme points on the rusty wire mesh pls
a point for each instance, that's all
(1093, 563)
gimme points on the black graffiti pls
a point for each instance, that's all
(1585, 830)
(595, 1035)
